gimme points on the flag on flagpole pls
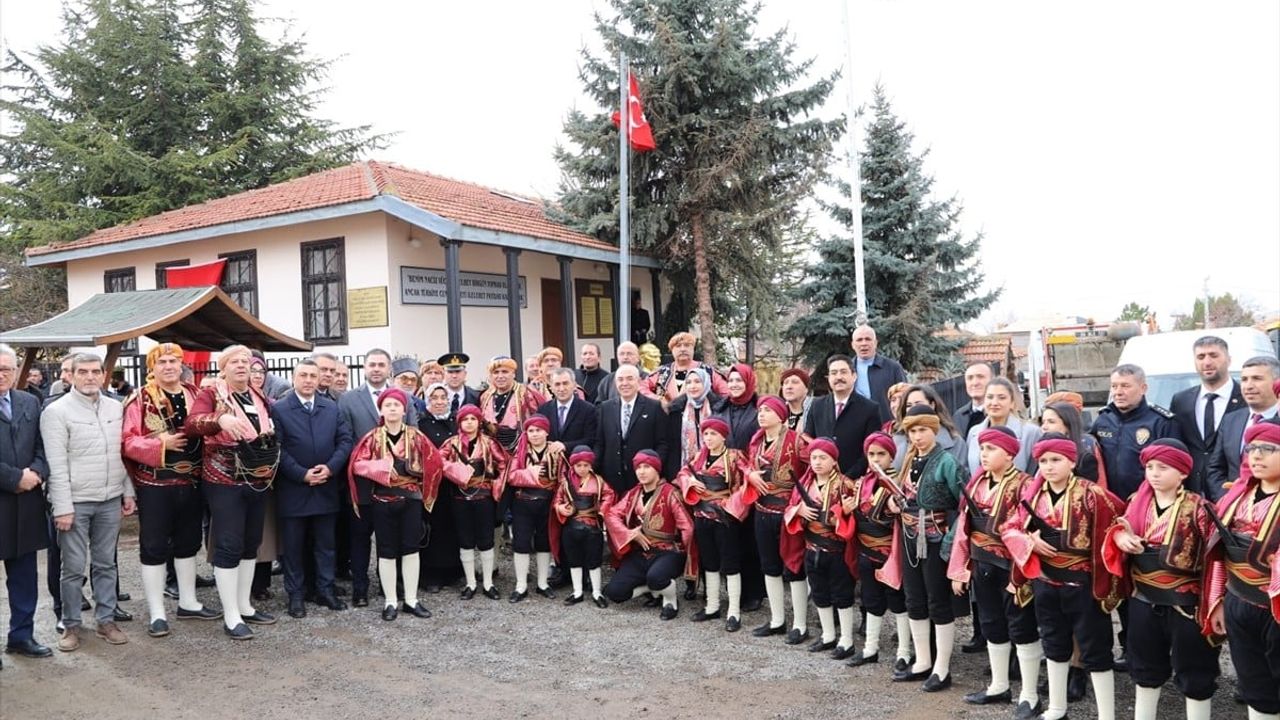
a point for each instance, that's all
(641, 134)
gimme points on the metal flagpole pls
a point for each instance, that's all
(624, 210)
(855, 182)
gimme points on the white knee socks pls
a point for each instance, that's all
(872, 645)
(713, 592)
(522, 572)
(1257, 715)
(800, 605)
(1145, 702)
(902, 623)
(227, 579)
(244, 587)
(920, 639)
(185, 569)
(468, 567)
(946, 641)
(486, 566)
(775, 589)
(998, 655)
(640, 591)
(733, 586)
(1057, 689)
(575, 575)
(669, 595)
(846, 627)
(597, 582)
(543, 560)
(1104, 691)
(153, 590)
(387, 575)
(1029, 669)
(410, 565)
(1197, 709)
(827, 618)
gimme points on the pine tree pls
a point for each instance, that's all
(1133, 312)
(737, 150)
(921, 272)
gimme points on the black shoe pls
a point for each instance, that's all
(171, 590)
(122, 615)
(976, 644)
(416, 610)
(1121, 665)
(766, 630)
(468, 593)
(1026, 711)
(277, 568)
(205, 581)
(158, 628)
(239, 632)
(86, 606)
(703, 616)
(861, 660)
(516, 596)
(63, 628)
(262, 595)
(204, 613)
(389, 613)
(795, 636)
(545, 592)
(260, 618)
(558, 578)
(297, 608)
(331, 602)
(574, 599)
(840, 653)
(820, 646)
(600, 601)
(343, 574)
(903, 664)
(752, 605)
(433, 588)
(982, 698)
(359, 599)
(1077, 684)
(490, 592)
(691, 591)
(339, 591)
(909, 676)
(668, 613)
(933, 684)
(123, 597)
(28, 648)
(733, 624)
(651, 601)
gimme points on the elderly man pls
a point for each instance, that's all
(628, 423)
(875, 372)
(23, 471)
(1201, 410)
(628, 353)
(590, 374)
(88, 489)
(1257, 385)
(976, 377)
(506, 404)
(667, 382)
(328, 365)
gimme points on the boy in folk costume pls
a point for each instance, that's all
(651, 536)
(535, 472)
(476, 464)
(979, 559)
(403, 471)
(581, 502)
(774, 460)
(1159, 544)
(1055, 540)
(1244, 589)
(718, 498)
(821, 510)
(873, 526)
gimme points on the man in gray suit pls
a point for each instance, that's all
(1257, 378)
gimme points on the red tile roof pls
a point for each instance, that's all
(465, 203)
(988, 349)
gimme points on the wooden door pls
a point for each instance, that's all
(552, 317)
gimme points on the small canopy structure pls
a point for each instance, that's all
(197, 318)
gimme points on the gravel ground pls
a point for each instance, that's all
(481, 659)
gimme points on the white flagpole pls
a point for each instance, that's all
(855, 182)
(624, 210)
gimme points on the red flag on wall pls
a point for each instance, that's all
(641, 134)
(195, 276)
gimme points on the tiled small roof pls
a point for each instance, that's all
(465, 203)
(988, 349)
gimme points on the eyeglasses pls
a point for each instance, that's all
(1262, 449)
(7, 370)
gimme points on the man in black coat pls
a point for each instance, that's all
(315, 443)
(976, 377)
(844, 415)
(874, 372)
(23, 533)
(628, 423)
(1200, 411)
(1257, 379)
(573, 420)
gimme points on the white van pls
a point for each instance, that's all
(1168, 358)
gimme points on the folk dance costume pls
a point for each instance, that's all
(402, 471)
(476, 464)
(577, 539)
(830, 558)
(874, 524)
(666, 383)
(979, 559)
(658, 517)
(1245, 580)
(718, 498)
(1167, 611)
(534, 475)
(780, 462)
(1074, 593)
(167, 481)
(931, 487)
(503, 414)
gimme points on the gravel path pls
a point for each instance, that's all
(480, 659)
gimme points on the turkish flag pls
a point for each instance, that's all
(195, 276)
(641, 135)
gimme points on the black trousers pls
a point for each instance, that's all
(1065, 612)
(719, 547)
(1254, 639)
(294, 532)
(440, 562)
(359, 544)
(581, 546)
(877, 598)
(999, 616)
(752, 575)
(1164, 642)
(237, 513)
(397, 527)
(928, 590)
(22, 582)
(169, 522)
(830, 582)
(768, 532)
(53, 568)
(474, 519)
(529, 530)
(655, 570)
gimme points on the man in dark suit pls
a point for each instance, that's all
(23, 472)
(844, 415)
(573, 420)
(1200, 411)
(1257, 379)
(976, 377)
(314, 444)
(875, 373)
(455, 381)
(628, 423)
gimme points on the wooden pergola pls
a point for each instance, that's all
(196, 318)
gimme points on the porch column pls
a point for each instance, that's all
(566, 304)
(617, 290)
(655, 278)
(513, 309)
(453, 292)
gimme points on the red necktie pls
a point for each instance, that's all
(839, 408)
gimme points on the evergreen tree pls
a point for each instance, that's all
(737, 150)
(1133, 312)
(1224, 311)
(921, 273)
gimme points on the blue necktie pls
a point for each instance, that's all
(4, 407)
(307, 406)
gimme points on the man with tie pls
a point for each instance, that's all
(1201, 410)
(328, 364)
(455, 381)
(573, 420)
(628, 423)
(976, 377)
(314, 444)
(844, 415)
(23, 472)
(1257, 387)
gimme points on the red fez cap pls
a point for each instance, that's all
(826, 446)
(881, 439)
(1002, 437)
(393, 394)
(775, 405)
(1170, 452)
(582, 453)
(647, 457)
(716, 424)
(1060, 444)
(1264, 431)
(469, 410)
(796, 373)
(536, 420)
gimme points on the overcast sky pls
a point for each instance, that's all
(1110, 151)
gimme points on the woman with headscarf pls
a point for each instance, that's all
(440, 559)
(535, 471)
(476, 464)
(738, 406)
(685, 416)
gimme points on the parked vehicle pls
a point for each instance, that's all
(1167, 357)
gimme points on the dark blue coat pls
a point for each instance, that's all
(1122, 435)
(22, 515)
(306, 440)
